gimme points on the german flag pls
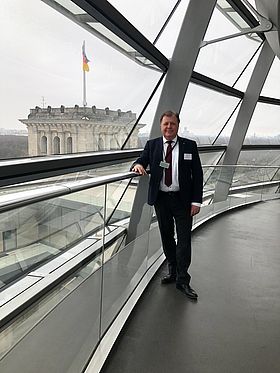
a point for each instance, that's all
(85, 59)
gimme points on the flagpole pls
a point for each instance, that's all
(84, 89)
(85, 68)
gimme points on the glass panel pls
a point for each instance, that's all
(69, 5)
(44, 230)
(119, 201)
(267, 157)
(235, 18)
(116, 87)
(120, 276)
(238, 19)
(148, 117)
(270, 192)
(264, 125)
(155, 245)
(210, 158)
(221, 206)
(242, 176)
(213, 60)
(252, 2)
(254, 195)
(204, 112)
(93, 26)
(243, 81)
(271, 86)
(148, 17)
(211, 175)
(168, 38)
(53, 321)
(237, 199)
(112, 169)
(277, 176)
(114, 38)
(205, 212)
(247, 175)
(75, 176)
(223, 4)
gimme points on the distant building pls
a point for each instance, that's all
(12, 132)
(78, 129)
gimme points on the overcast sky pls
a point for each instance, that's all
(42, 58)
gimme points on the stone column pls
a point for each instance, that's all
(33, 148)
(107, 137)
(49, 140)
(62, 141)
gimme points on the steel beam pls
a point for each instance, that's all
(243, 119)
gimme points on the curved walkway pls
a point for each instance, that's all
(235, 325)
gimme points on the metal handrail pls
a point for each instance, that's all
(237, 166)
(23, 198)
(14, 171)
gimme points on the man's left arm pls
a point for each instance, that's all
(197, 182)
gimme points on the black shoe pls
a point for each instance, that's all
(168, 279)
(187, 290)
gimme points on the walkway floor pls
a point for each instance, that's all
(235, 325)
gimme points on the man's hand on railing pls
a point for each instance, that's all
(194, 210)
(139, 169)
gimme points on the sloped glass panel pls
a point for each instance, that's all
(204, 113)
(44, 83)
(271, 85)
(147, 16)
(264, 127)
(224, 60)
(168, 38)
(244, 79)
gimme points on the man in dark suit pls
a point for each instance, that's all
(175, 190)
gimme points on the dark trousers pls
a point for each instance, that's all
(169, 209)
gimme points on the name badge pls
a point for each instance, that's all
(187, 157)
(164, 164)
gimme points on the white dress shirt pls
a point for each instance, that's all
(174, 187)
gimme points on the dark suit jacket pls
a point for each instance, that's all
(189, 170)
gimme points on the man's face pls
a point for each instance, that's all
(169, 127)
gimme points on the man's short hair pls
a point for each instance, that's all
(170, 113)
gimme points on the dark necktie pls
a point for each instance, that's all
(168, 159)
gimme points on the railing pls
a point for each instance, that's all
(87, 164)
(64, 262)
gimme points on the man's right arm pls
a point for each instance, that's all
(142, 162)
(139, 169)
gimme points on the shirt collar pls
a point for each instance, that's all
(174, 140)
